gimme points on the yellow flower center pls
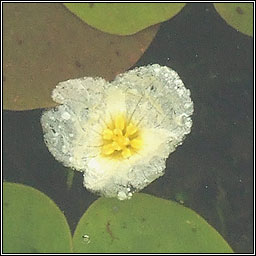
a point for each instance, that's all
(121, 139)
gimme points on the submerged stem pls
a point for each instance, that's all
(70, 177)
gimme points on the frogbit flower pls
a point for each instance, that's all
(119, 134)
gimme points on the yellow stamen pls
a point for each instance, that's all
(120, 140)
(136, 143)
(126, 153)
(118, 132)
(108, 149)
(126, 141)
(119, 122)
(107, 134)
(116, 146)
(130, 130)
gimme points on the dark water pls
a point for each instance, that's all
(212, 172)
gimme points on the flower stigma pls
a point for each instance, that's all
(121, 138)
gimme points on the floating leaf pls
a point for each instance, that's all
(124, 18)
(237, 15)
(145, 224)
(32, 223)
(45, 44)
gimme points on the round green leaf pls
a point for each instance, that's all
(124, 18)
(44, 44)
(237, 15)
(32, 223)
(145, 224)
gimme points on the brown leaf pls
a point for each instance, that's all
(43, 44)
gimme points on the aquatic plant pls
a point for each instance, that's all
(33, 223)
(126, 18)
(119, 134)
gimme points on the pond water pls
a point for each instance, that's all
(212, 172)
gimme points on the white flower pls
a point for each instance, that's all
(119, 134)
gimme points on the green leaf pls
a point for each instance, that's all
(32, 223)
(145, 224)
(237, 15)
(44, 44)
(124, 18)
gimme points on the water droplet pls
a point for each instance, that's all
(65, 116)
(121, 195)
(86, 239)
